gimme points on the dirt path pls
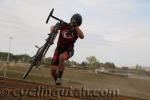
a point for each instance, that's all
(12, 89)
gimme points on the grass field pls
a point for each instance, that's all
(77, 78)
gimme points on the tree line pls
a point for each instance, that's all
(90, 62)
(15, 58)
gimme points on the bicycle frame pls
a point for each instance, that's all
(37, 58)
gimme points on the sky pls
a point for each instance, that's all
(115, 31)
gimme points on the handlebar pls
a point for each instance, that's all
(51, 15)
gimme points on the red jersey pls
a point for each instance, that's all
(67, 38)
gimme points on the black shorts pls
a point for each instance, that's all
(58, 52)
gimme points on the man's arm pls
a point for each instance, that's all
(80, 33)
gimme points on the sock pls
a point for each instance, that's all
(60, 74)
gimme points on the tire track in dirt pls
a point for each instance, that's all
(14, 84)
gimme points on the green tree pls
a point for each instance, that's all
(83, 64)
(91, 59)
(22, 57)
(109, 65)
(3, 56)
(92, 62)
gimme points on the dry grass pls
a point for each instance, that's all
(73, 77)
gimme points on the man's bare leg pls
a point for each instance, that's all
(62, 59)
(54, 71)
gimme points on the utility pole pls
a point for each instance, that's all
(25, 57)
(8, 57)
